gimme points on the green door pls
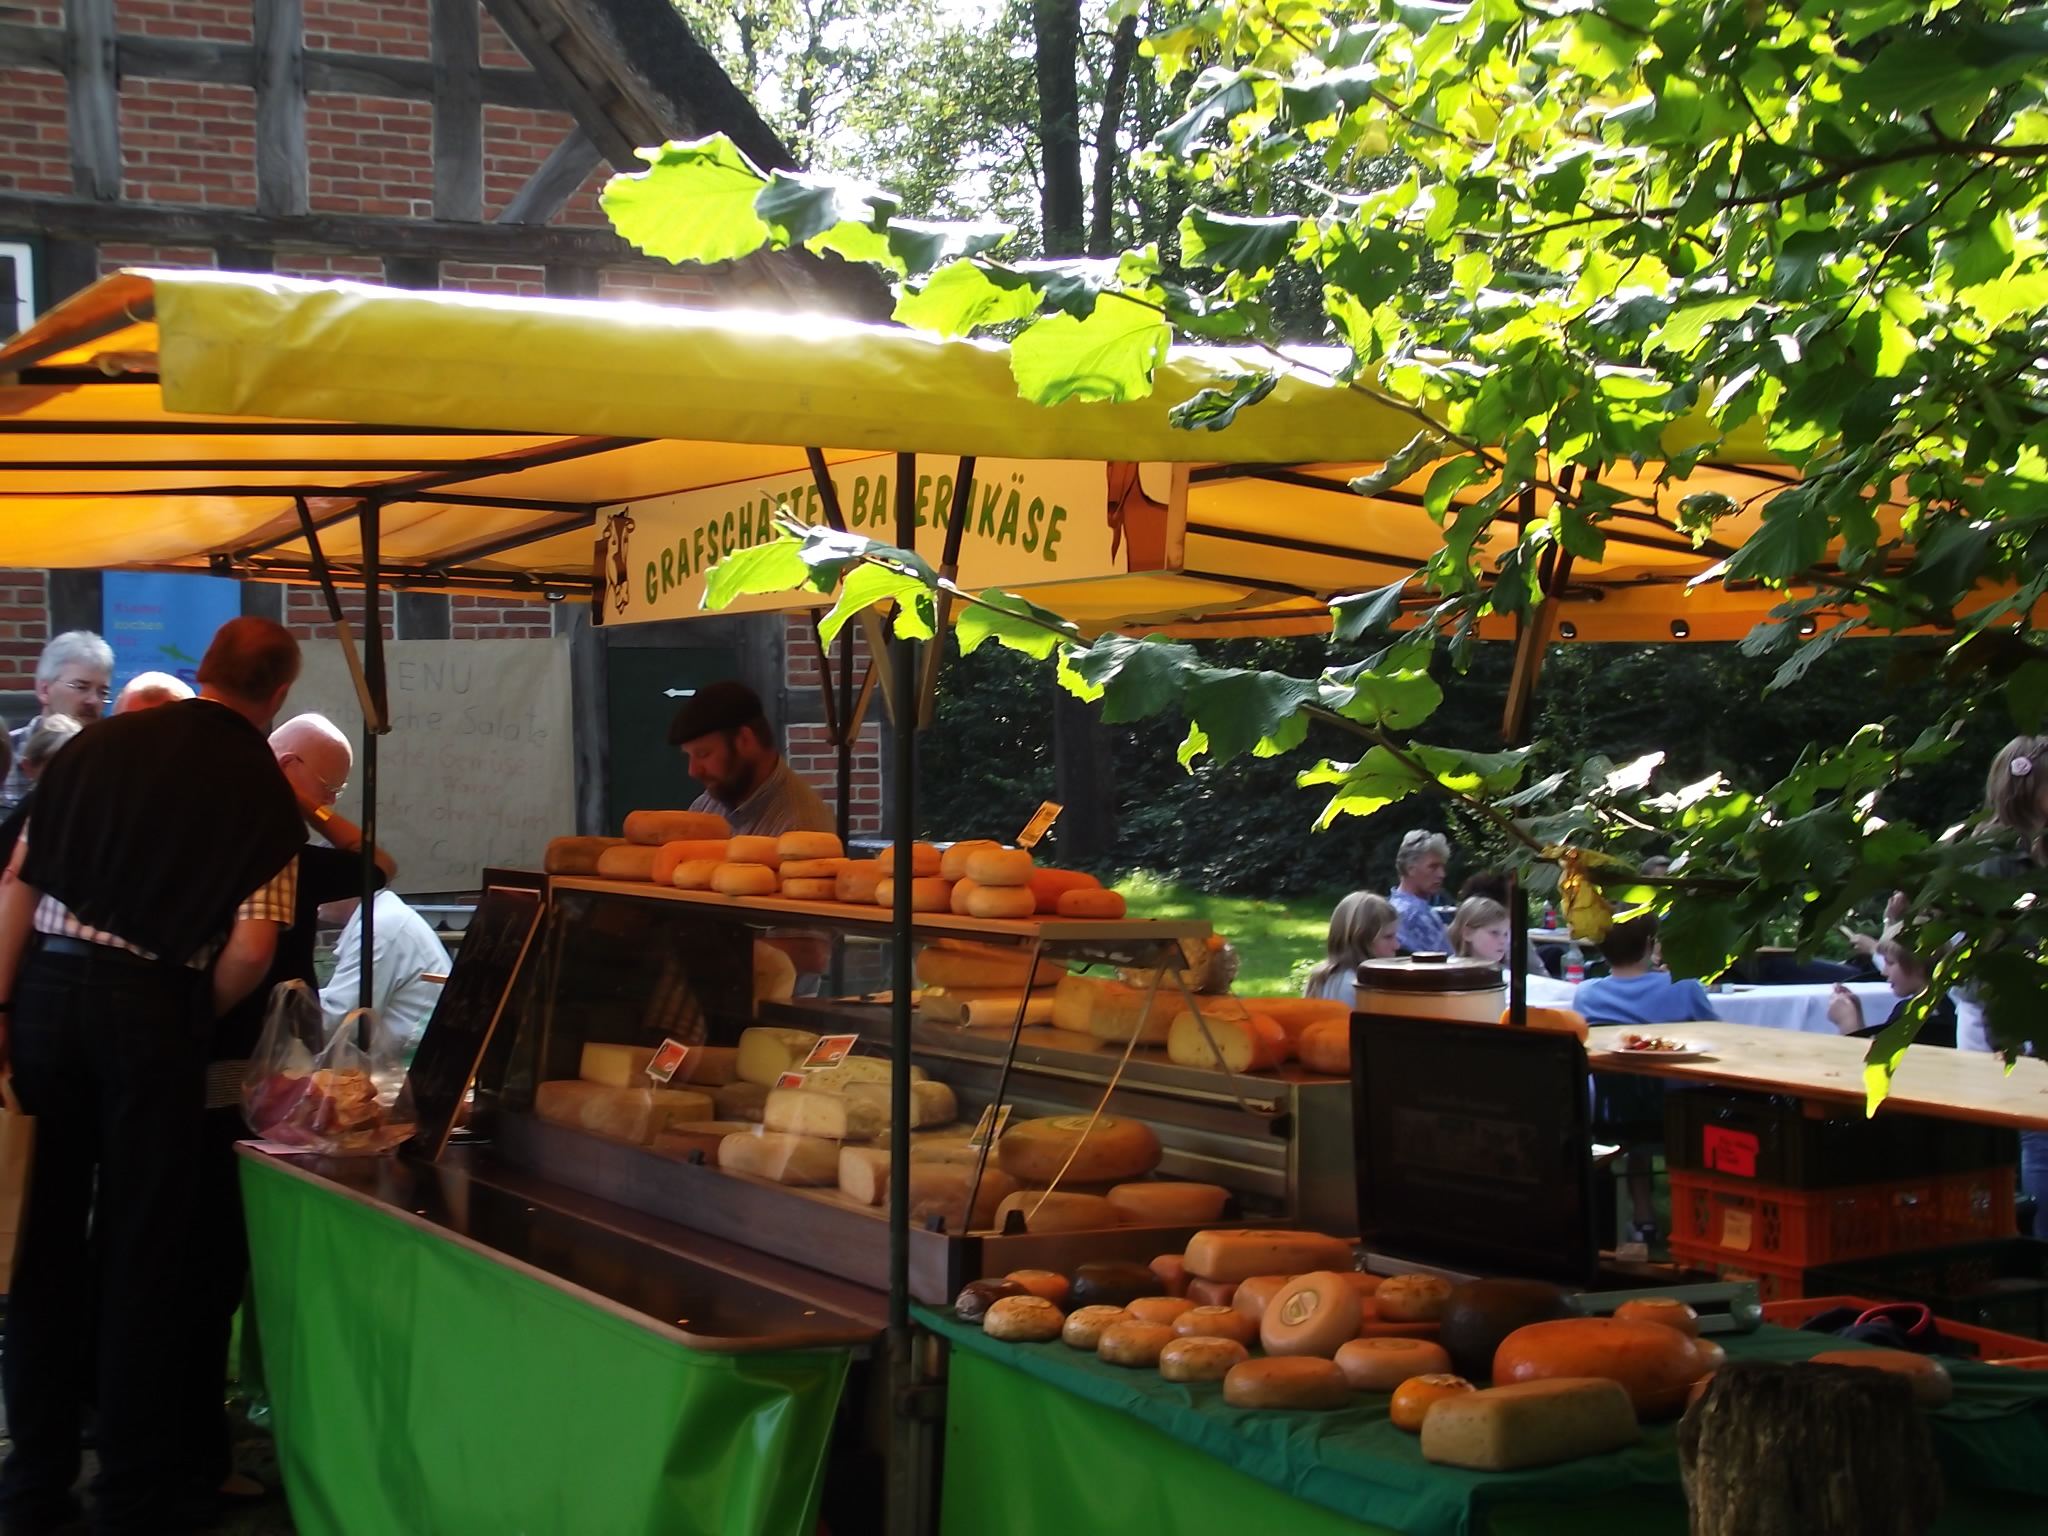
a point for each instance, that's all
(644, 689)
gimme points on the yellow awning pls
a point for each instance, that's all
(176, 419)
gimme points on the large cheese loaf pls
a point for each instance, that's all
(657, 827)
(1165, 1204)
(744, 880)
(1056, 1211)
(940, 1189)
(784, 1158)
(617, 1066)
(1294, 1014)
(1007, 902)
(930, 1103)
(1000, 866)
(925, 859)
(1109, 1010)
(801, 846)
(669, 856)
(856, 883)
(928, 893)
(1251, 1043)
(766, 1052)
(699, 1137)
(1325, 1046)
(1311, 1315)
(627, 861)
(1529, 1424)
(1113, 1150)
(1223, 1254)
(1654, 1364)
(992, 1010)
(622, 1114)
(1090, 906)
(576, 855)
(833, 1116)
(1048, 885)
(953, 861)
(864, 1174)
(983, 968)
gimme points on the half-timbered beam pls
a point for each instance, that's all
(566, 168)
(588, 104)
(456, 32)
(282, 185)
(92, 73)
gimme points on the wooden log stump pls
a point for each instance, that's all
(1808, 1450)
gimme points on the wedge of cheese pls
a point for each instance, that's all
(1109, 1010)
(616, 1066)
(713, 1066)
(930, 1103)
(832, 1116)
(784, 1158)
(766, 1052)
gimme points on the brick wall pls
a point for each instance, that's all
(24, 626)
(305, 612)
(494, 618)
(808, 745)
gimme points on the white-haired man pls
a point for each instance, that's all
(1420, 863)
(74, 676)
(146, 690)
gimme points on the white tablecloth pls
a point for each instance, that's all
(1802, 1008)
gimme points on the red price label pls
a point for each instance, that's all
(831, 1050)
(790, 1080)
(668, 1061)
(1726, 1151)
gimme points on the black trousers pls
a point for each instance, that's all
(109, 1055)
(220, 1274)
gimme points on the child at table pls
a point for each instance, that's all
(1361, 928)
(1479, 931)
(1909, 975)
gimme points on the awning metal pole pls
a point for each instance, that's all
(376, 719)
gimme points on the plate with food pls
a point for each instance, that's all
(1663, 1047)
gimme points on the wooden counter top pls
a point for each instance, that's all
(1932, 1080)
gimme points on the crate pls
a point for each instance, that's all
(1977, 1206)
(1985, 1344)
(1796, 1144)
(2001, 1284)
(1774, 1282)
(1800, 1228)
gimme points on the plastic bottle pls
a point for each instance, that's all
(1574, 964)
(1550, 916)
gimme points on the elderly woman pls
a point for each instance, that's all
(1420, 863)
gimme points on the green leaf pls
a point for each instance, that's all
(777, 566)
(870, 584)
(1494, 773)
(920, 244)
(2026, 696)
(694, 202)
(1011, 621)
(1236, 244)
(1425, 447)
(1371, 784)
(800, 204)
(1687, 325)
(1792, 538)
(1221, 95)
(1237, 710)
(828, 554)
(1133, 678)
(1365, 613)
(1398, 700)
(1700, 936)
(1109, 356)
(1448, 481)
(1994, 303)
(963, 297)
(1211, 409)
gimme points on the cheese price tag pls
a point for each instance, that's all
(831, 1050)
(1040, 823)
(1000, 1118)
(790, 1080)
(668, 1061)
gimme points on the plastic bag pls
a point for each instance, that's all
(342, 1091)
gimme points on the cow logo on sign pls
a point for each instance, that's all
(618, 528)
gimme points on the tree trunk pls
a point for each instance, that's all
(1056, 32)
(1123, 53)
(1084, 779)
(1808, 1450)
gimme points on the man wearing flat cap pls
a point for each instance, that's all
(732, 753)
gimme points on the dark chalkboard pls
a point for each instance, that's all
(471, 1003)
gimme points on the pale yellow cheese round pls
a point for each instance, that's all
(813, 869)
(1001, 866)
(695, 874)
(1023, 1320)
(1201, 1357)
(753, 850)
(1169, 1204)
(1114, 1150)
(797, 889)
(743, 879)
(1133, 1343)
(1382, 1364)
(925, 859)
(953, 862)
(1311, 1315)
(1001, 901)
(1084, 1325)
(928, 893)
(809, 845)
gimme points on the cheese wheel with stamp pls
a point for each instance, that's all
(1287, 1381)
(1008, 902)
(744, 880)
(1084, 1325)
(953, 861)
(1133, 1343)
(1111, 1149)
(1023, 1320)
(669, 855)
(1200, 1357)
(808, 845)
(1090, 906)
(1001, 866)
(1229, 1254)
(1310, 1315)
(1380, 1365)
(627, 861)
(657, 827)
(753, 850)
(809, 890)
(1216, 1322)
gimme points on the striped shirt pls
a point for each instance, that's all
(272, 902)
(783, 803)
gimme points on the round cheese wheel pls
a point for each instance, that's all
(1000, 901)
(953, 862)
(1133, 1343)
(1001, 866)
(1253, 1294)
(1200, 1357)
(924, 859)
(1932, 1384)
(695, 874)
(1310, 1315)
(1661, 1309)
(744, 880)
(1371, 1326)
(1023, 1320)
(928, 893)
(1363, 1283)
(1048, 885)
(1057, 1211)
(1159, 1309)
(1090, 906)
(1084, 1325)
(1711, 1356)
(1412, 1298)
(669, 855)
(962, 889)
(797, 889)
(977, 1296)
(1114, 1149)
(1413, 1398)
(774, 972)
(1216, 1322)
(1325, 1047)
(1171, 1268)
(1050, 1284)
(809, 845)
(753, 850)
(1288, 1381)
(1294, 1014)
(627, 861)
(1114, 1282)
(1165, 1204)
(856, 883)
(1653, 1364)
(1211, 1293)
(813, 869)
(658, 827)
(1380, 1365)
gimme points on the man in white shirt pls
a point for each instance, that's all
(408, 952)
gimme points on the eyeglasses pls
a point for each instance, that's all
(84, 689)
(331, 791)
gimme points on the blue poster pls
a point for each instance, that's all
(163, 623)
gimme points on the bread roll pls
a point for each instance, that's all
(627, 861)
(808, 845)
(1001, 901)
(753, 850)
(953, 862)
(1023, 1320)
(657, 827)
(743, 880)
(576, 855)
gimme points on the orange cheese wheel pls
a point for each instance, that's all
(1415, 1397)
(1084, 1326)
(1310, 1315)
(1325, 1046)
(1412, 1298)
(654, 828)
(1380, 1365)
(1286, 1382)
(1159, 1309)
(1056, 1211)
(953, 861)
(627, 861)
(1201, 1357)
(576, 855)
(856, 883)
(812, 869)
(1225, 1253)
(1253, 1294)
(1000, 901)
(1000, 866)
(1090, 906)
(809, 890)
(695, 874)
(962, 889)
(753, 850)
(1217, 1322)
(924, 859)
(1171, 1268)
(1661, 1309)
(1294, 1014)
(1653, 1364)
(809, 845)
(1211, 1293)
(1711, 1356)
(1048, 885)
(743, 880)
(1373, 1327)
(669, 855)
(928, 893)
(1114, 1149)
(1052, 1285)
(1168, 1204)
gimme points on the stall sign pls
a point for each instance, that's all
(160, 621)
(1029, 521)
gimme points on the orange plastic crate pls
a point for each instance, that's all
(1993, 1347)
(1976, 1206)
(1799, 1228)
(1774, 1282)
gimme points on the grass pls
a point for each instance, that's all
(1276, 940)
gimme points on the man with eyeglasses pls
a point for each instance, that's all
(74, 676)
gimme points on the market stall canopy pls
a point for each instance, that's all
(177, 420)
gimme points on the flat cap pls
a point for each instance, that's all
(722, 706)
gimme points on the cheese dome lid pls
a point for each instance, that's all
(1425, 972)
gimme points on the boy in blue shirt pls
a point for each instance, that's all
(1637, 989)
